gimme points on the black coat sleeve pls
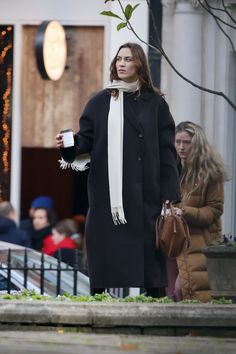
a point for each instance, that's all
(169, 176)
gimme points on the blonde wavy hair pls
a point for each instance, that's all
(203, 163)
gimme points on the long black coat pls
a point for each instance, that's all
(125, 255)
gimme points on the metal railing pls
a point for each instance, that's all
(40, 267)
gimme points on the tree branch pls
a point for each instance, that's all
(160, 49)
(207, 8)
(226, 35)
(227, 12)
(216, 18)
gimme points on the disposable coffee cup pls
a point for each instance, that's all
(68, 137)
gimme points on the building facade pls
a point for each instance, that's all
(39, 109)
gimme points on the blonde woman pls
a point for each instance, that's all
(202, 177)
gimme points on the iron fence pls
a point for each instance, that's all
(40, 268)
(75, 264)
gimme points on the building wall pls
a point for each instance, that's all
(70, 13)
(78, 12)
(190, 38)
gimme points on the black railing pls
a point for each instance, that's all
(25, 265)
(35, 271)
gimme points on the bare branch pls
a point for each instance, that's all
(215, 8)
(227, 12)
(161, 50)
(230, 40)
(216, 18)
(208, 9)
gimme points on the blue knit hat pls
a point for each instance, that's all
(42, 202)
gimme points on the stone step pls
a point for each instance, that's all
(137, 318)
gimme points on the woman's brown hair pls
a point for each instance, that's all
(143, 69)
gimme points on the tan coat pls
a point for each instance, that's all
(202, 213)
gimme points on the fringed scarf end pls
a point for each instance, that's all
(118, 216)
(79, 164)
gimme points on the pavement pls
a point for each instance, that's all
(61, 342)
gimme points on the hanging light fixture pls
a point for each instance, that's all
(51, 50)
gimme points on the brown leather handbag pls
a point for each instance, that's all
(172, 232)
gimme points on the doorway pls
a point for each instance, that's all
(41, 175)
(50, 106)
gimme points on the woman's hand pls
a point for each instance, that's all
(178, 211)
(59, 140)
(167, 211)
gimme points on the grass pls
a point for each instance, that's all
(32, 295)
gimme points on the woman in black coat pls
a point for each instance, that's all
(128, 132)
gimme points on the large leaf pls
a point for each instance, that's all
(129, 11)
(110, 13)
(121, 25)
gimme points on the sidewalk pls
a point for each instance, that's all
(76, 343)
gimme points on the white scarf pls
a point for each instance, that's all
(115, 149)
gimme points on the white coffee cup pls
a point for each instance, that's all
(68, 137)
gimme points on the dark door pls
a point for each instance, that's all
(41, 175)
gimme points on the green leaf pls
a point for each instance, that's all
(135, 7)
(121, 25)
(110, 13)
(129, 11)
